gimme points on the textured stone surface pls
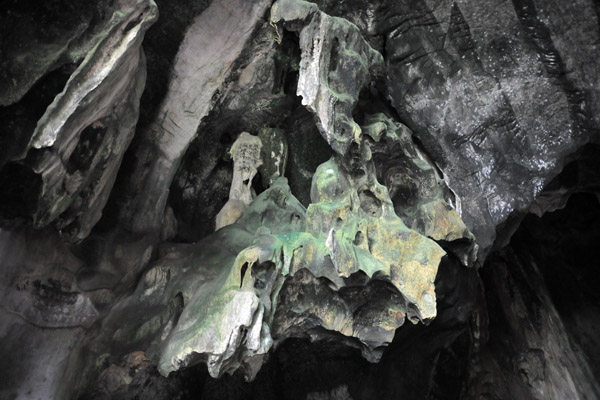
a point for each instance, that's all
(246, 155)
(444, 123)
(499, 92)
(416, 188)
(337, 63)
(211, 45)
(71, 159)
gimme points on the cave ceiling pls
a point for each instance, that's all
(235, 199)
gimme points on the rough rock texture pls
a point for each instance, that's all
(187, 101)
(70, 160)
(500, 93)
(336, 64)
(416, 188)
(246, 154)
(430, 160)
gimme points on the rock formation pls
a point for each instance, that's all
(248, 199)
(246, 159)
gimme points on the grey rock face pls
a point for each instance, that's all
(188, 100)
(497, 92)
(397, 139)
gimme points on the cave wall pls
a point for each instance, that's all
(440, 163)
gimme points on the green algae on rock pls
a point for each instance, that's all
(239, 315)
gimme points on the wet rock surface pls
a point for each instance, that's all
(248, 199)
(534, 103)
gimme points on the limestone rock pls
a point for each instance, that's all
(212, 44)
(246, 154)
(419, 193)
(337, 63)
(72, 157)
(364, 234)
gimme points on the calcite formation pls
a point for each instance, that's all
(348, 246)
(366, 158)
(417, 189)
(336, 65)
(245, 153)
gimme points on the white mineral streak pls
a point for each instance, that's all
(98, 65)
(246, 159)
(309, 82)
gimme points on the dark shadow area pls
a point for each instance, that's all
(18, 121)
(563, 245)
(543, 305)
(19, 195)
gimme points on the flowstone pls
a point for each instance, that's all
(346, 266)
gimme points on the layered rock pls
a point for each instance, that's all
(70, 161)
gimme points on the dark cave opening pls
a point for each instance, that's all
(563, 244)
(547, 269)
(19, 195)
(18, 121)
